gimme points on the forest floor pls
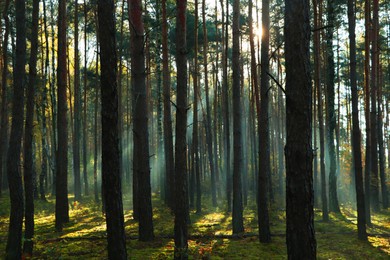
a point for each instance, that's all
(210, 234)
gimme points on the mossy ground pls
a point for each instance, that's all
(84, 236)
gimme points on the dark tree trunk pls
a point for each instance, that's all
(317, 80)
(28, 136)
(110, 136)
(264, 152)
(195, 133)
(77, 108)
(181, 193)
(85, 136)
(4, 100)
(374, 179)
(356, 139)
(209, 135)
(331, 117)
(301, 242)
(14, 249)
(238, 225)
(168, 139)
(140, 129)
(62, 206)
(367, 166)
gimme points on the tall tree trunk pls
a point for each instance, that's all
(209, 135)
(28, 136)
(195, 133)
(238, 225)
(382, 160)
(367, 169)
(77, 108)
(13, 249)
(264, 152)
(374, 184)
(168, 139)
(226, 114)
(4, 100)
(140, 128)
(331, 117)
(317, 80)
(95, 153)
(85, 123)
(356, 139)
(181, 193)
(301, 242)
(62, 206)
(110, 133)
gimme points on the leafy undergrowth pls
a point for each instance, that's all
(84, 236)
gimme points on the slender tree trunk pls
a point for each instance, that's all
(140, 129)
(62, 206)
(14, 249)
(382, 160)
(331, 117)
(95, 155)
(195, 133)
(85, 119)
(77, 108)
(168, 139)
(374, 184)
(238, 225)
(367, 169)
(317, 80)
(209, 135)
(28, 136)
(181, 193)
(264, 152)
(110, 133)
(4, 100)
(301, 242)
(356, 139)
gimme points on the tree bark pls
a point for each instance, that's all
(301, 242)
(62, 206)
(356, 139)
(238, 225)
(181, 193)
(13, 249)
(140, 124)
(28, 136)
(4, 100)
(85, 119)
(110, 132)
(168, 139)
(77, 108)
(264, 152)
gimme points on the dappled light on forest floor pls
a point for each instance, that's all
(84, 237)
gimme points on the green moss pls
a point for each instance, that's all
(84, 236)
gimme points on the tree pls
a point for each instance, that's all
(77, 108)
(356, 139)
(62, 206)
(4, 101)
(181, 190)
(140, 129)
(300, 238)
(317, 80)
(110, 136)
(28, 136)
(209, 135)
(264, 151)
(374, 181)
(13, 249)
(167, 121)
(331, 117)
(238, 225)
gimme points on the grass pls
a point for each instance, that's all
(84, 236)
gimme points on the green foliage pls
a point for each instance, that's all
(84, 237)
